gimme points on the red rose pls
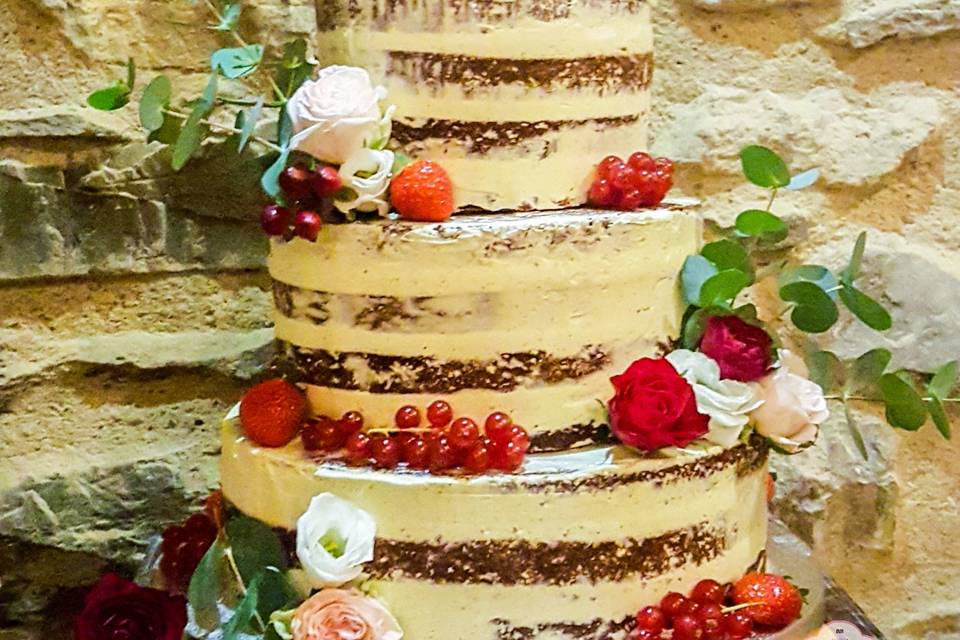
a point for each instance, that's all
(117, 609)
(654, 407)
(743, 351)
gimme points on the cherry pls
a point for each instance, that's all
(464, 433)
(508, 457)
(350, 423)
(477, 459)
(322, 434)
(642, 162)
(651, 619)
(442, 454)
(439, 414)
(609, 167)
(325, 182)
(707, 591)
(415, 452)
(274, 220)
(686, 627)
(407, 417)
(295, 181)
(358, 448)
(497, 427)
(307, 225)
(670, 605)
(737, 624)
(385, 452)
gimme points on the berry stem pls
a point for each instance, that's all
(738, 607)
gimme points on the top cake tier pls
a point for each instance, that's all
(515, 98)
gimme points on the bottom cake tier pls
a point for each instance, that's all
(569, 548)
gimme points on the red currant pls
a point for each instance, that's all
(274, 220)
(519, 436)
(350, 423)
(442, 454)
(602, 193)
(358, 448)
(477, 459)
(631, 200)
(407, 417)
(609, 167)
(664, 165)
(385, 452)
(439, 414)
(670, 605)
(687, 627)
(325, 182)
(295, 181)
(416, 452)
(651, 619)
(738, 625)
(464, 433)
(688, 607)
(497, 427)
(508, 457)
(307, 225)
(642, 161)
(322, 434)
(626, 179)
(707, 591)
(644, 634)
(711, 619)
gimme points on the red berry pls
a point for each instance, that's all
(325, 182)
(737, 624)
(519, 436)
(415, 452)
(295, 181)
(626, 179)
(664, 165)
(651, 619)
(442, 454)
(707, 591)
(711, 619)
(272, 412)
(497, 427)
(774, 602)
(407, 417)
(644, 634)
(307, 225)
(670, 605)
(358, 448)
(602, 193)
(609, 167)
(274, 220)
(477, 459)
(508, 457)
(631, 200)
(688, 608)
(423, 192)
(385, 452)
(642, 162)
(464, 433)
(350, 423)
(686, 627)
(322, 434)
(439, 414)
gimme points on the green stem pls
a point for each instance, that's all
(845, 398)
(248, 103)
(216, 126)
(243, 588)
(773, 196)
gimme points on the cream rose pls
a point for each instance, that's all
(727, 402)
(336, 114)
(334, 539)
(337, 614)
(792, 411)
(367, 174)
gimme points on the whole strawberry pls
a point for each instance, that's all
(422, 192)
(774, 602)
(272, 412)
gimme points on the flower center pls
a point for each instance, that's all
(333, 543)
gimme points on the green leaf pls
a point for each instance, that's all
(826, 370)
(867, 369)
(255, 547)
(815, 311)
(939, 415)
(400, 160)
(727, 254)
(168, 132)
(852, 272)
(131, 73)
(190, 138)
(276, 593)
(237, 62)
(804, 180)
(905, 408)
(156, 98)
(761, 224)
(764, 168)
(693, 327)
(820, 276)
(865, 308)
(721, 289)
(251, 117)
(205, 585)
(944, 380)
(696, 270)
(284, 130)
(209, 96)
(240, 623)
(270, 182)
(229, 16)
(111, 98)
(855, 432)
(294, 68)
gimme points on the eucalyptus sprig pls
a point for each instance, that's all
(811, 297)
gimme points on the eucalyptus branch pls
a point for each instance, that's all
(858, 398)
(248, 103)
(216, 126)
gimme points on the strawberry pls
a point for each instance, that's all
(774, 602)
(422, 191)
(271, 413)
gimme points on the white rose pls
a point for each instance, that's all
(336, 114)
(334, 539)
(727, 402)
(367, 174)
(792, 410)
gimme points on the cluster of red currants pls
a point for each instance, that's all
(641, 181)
(182, 547)
(701, 616)
(445, 445)
(303, 189)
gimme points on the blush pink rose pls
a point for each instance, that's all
(338, 614)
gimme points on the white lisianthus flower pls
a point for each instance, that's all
(334, 540)
(792, 411)
(367, 175)
(728, 403)
(336, 114)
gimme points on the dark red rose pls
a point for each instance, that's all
(743, 351)
(654, 407)
(117, 609)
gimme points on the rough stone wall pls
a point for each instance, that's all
(133, 311)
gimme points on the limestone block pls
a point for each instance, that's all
(863, 23)
(853, 140)
(60, 121)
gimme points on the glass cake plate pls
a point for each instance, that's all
(788, 555)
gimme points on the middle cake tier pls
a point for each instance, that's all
(525, 313)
